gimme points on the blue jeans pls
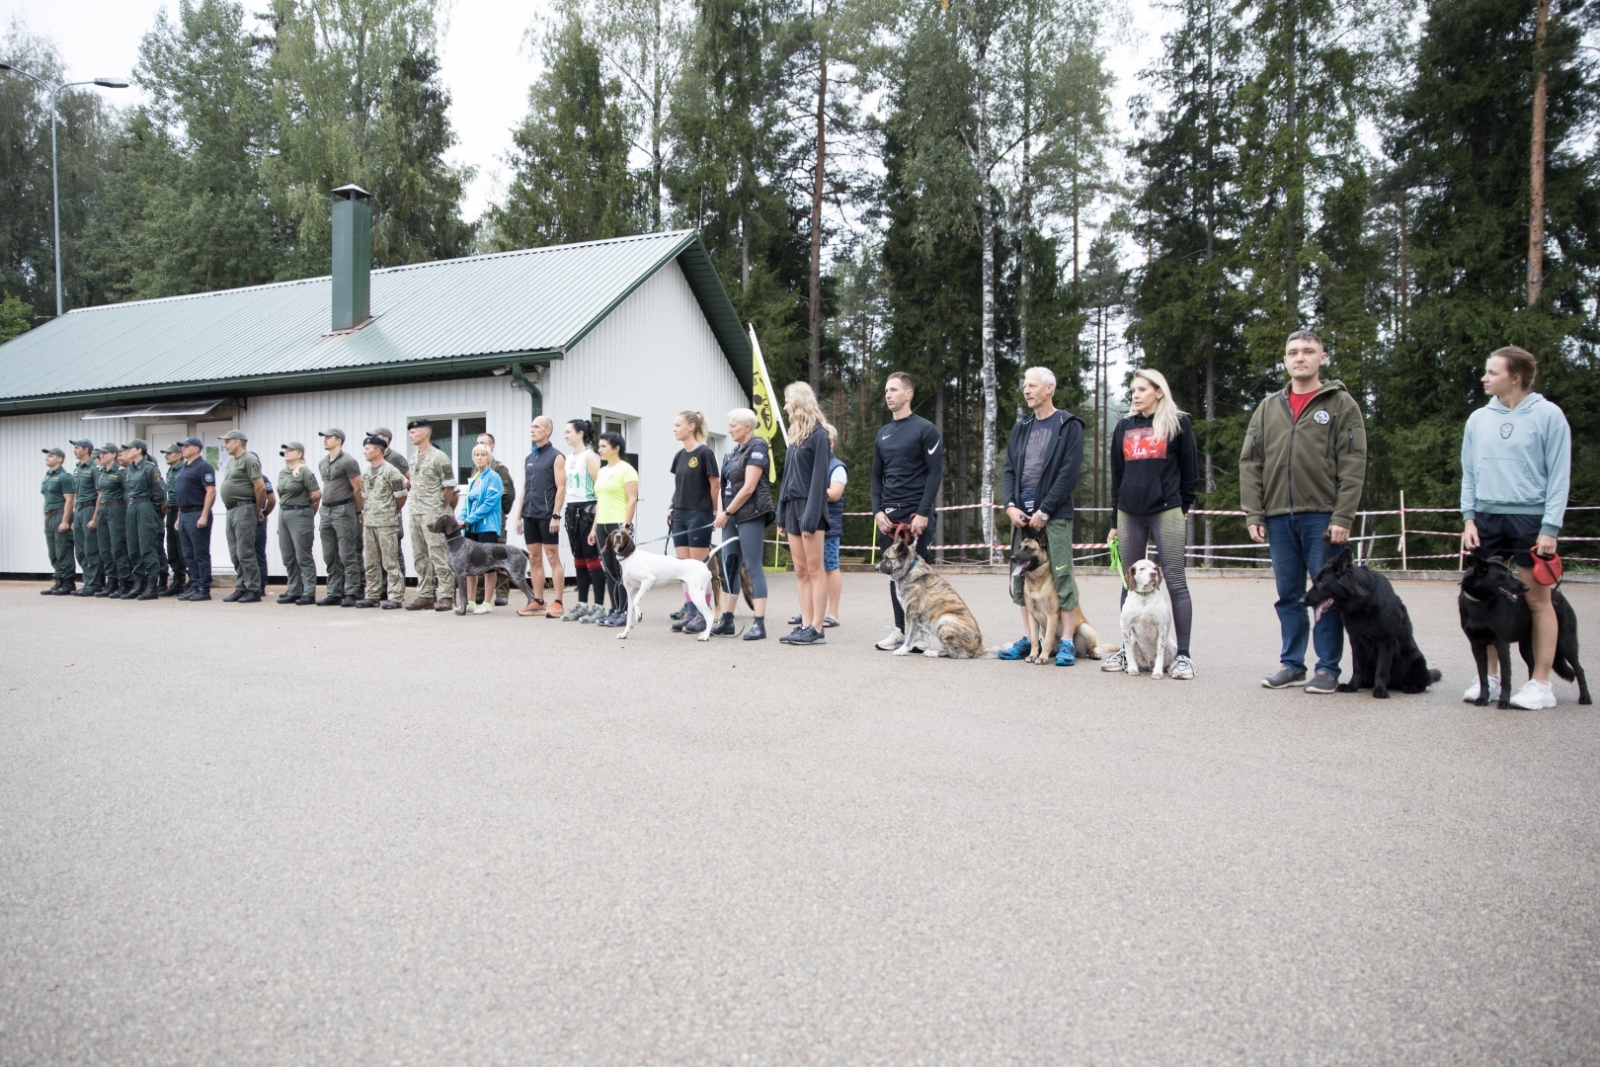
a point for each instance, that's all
(196, 543)
(1298, 551)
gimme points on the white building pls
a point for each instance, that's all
(627, 332)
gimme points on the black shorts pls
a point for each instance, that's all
(1508, 535)
(483, 537)
(691, 529)
(791, 516)
(538, 532)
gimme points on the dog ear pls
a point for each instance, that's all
(1341, 562)
(1128, 579)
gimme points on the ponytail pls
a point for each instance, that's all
(696, 420)
(585, 430)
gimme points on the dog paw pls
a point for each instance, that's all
(932, 653)
(1380, 694)
(1346, 687)
(1481, 702)
(1132, 669)
(1157, 674)
(903, 650)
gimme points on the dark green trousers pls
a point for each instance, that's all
(112, 530)
(144, 537)
(341, 544)
(242, 547)
(88, 546)
(175, 550)
(59, 547)
(294, 541)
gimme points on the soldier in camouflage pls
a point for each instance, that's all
(433, 493)
(383, 491)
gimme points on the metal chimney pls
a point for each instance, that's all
(352, 257)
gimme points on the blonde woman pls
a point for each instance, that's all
(482, 518)
(1154, 477)
(697, 487)
(803, 508)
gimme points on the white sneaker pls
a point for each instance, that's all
(1117, 661)
(894, 640)
(1534, 696)
(481, 609)
(1471, 695)
(1182, 668)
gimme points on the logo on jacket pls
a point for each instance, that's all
(694, 461)
(1322, 418)
(1505, 430)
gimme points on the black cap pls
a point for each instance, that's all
(420, 424)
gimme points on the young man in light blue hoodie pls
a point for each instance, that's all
(1516, 464)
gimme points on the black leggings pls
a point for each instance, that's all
(611, 565)
(585, 557)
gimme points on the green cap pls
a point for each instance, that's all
(383, 432)
(233, 435)
(82, 442)
(103, 449)
(295, 446)
(334, 433)
(53, 452)
(138, 442)
(173, 448)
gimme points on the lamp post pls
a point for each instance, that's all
(55, 184)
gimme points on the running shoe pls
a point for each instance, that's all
(1117, 661)
(1285, 677)
(808, 635)
(1534, 696)
(1182, 668)
(1017, 651)
(1471, 695)
(896, 637)
(1066, 654)
(1322, 683)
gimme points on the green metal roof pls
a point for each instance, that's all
(450, 318)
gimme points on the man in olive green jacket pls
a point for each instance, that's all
(1301, 473)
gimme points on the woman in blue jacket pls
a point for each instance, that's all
(1516, 465)
(482, 516)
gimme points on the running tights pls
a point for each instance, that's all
(746, 548)
(610, 566)
(585, 557)
(1134, 532)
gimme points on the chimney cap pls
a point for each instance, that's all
(351, 192)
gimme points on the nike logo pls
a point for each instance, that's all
(885, 437)
(932, 450)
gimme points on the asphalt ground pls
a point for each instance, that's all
(253, 834)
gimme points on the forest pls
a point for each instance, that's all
(944, 187)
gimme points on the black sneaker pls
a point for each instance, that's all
(237, 594)
(1322, 683)
(286, 598)
(788, 638)
(696, 625)
(349, 602)
(250, 597)
(809, 635)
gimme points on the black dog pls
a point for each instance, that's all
(1381, 642)
(475, 557)
(1494, 611)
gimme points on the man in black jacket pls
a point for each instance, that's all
(1043, 459)
(907, 463)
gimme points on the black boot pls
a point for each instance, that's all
(106, 589)
(177, 586)
(116, 588)
(149, 592)
(68, 588)
(724, 626)
(52, 590)
(757, 631)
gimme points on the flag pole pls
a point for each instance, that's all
(769, 410)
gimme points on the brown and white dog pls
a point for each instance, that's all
(642, 571)
(938, 621)
(1149, 641)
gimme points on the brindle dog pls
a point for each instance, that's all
(938, 621)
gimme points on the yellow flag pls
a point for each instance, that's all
(769, 415)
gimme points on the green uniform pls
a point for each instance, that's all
(383, 488)
(431, 474)
(142, 484)
(55, 488)
(83, 538)
(295, 529)
(236, 489)
(339, 529)
(111, 525)
(174, 541)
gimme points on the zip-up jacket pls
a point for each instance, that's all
(805, 477)
(1059, 479)
(1316, 463)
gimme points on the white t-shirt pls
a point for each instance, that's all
(840, 477)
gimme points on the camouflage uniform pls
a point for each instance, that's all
(383, 488)
(431, 474)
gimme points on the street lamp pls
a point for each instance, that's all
(55, 185)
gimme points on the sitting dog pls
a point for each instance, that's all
(1031, 560)
(1494, 611)
(1149, 641)
(938, 622)
(1382, 647)
(642, 571)
(474, 557)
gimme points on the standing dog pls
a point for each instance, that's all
(1149, 641)
(642, 571)
(1494, 611)
(1031, 560)
(473, 557)
(1382, 647)
(938, 621)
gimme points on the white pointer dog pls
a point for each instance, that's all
(1149, 641)
(643, 570)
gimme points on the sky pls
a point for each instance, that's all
(486, 64)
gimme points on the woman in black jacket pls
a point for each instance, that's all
(1154, 476)
(803, 508)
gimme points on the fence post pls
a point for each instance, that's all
(1361, 540)
(1404, 562)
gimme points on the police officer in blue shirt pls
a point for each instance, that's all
(197, 494)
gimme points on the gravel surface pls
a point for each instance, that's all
(255, 834)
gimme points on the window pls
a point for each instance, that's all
(457, 436)
(610, 422)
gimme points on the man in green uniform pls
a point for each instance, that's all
(341, 503)
(109, 523)
(383, 491)
(146, 493)
(180, 576)
(83, 498)
(243, 494)
(433, 492)
(298, 497)
(57, 489)
(398, 462)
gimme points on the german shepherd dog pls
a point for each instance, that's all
(1031, 560)
(938, 621)
(1494, 611)
(474, 557)
(1382, 646)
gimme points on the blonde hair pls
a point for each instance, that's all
(1164, 419)
(485, 449)
(744, 417)
(804, 414)
(698, 421)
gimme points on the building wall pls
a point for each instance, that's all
(652, 357)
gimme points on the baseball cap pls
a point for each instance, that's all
(192, 441)
(333, 433)
(420, 424)
(292, 445)
(383, 432)
(82, 442)
(108, 447)
(233, 435)
(176, 446)
(53, 452)
(137, 442)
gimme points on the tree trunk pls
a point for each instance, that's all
(991, 409)
(816, 215)
(1536, 154)
(1025, 196)
(656, 101)
(1296, 177)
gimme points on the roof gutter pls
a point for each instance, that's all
(293, 382)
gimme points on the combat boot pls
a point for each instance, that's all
(65, 588)
(422, 603)
(52, 590)
(149, 592)
(173, 588)
(116, 588)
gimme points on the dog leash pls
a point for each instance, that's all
(1115, 560)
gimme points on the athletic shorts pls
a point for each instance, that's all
(483, 537)
(791, 516)
(830, 553)
(691, 529)
(1057, 541)
(1508, 535)
(538, 532)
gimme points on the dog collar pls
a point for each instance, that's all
(1470, 597)
(914, 558)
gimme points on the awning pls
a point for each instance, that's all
(157, 411)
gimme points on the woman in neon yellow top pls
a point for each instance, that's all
(616, 495)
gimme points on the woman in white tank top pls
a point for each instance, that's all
(582, 466)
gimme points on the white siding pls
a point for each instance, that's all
(22, 469)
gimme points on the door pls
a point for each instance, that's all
(210, 434)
